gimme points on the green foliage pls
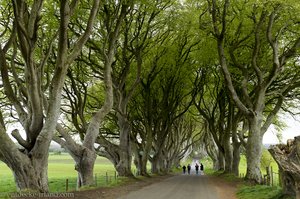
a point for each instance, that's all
(178, 56)
(207, 163)
(95, 95)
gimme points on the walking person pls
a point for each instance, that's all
(184, 169)
(201, 168)
(189, 168)
(197, 168)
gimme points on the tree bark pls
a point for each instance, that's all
(84, 157)
(287, 158)
(148, 144)
(137, 157)
(236, 159)
(157, 163)
(212, 151)
(221, 161)
(254, 150)
(30, 171)
(236, 154)
(85, 167)
(227, 152)
(30, 177)
(124, 165)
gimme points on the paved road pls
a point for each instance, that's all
(177, 187)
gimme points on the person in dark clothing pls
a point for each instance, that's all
(197, 168)
(184, 169)
(201, 168)
(189, 168)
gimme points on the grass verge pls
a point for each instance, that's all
(261, 192)
(247, 191)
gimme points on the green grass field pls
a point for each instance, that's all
(60, 168)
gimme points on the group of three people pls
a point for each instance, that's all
(196, 168)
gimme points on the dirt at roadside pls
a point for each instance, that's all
(115, 192)
(225, 189)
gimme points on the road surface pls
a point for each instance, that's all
(178, 187)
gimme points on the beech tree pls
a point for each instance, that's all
(256, 50)
(164, 98)
(36, 97)
(147, 29)
(184, 137)
(78, 92)
(141, 30)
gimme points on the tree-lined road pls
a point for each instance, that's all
(177, 187)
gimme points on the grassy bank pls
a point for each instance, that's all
(261, 192)
(247, 191)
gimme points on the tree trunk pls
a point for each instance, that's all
(85, 167)
(254, 150)
(144, 160)
(137, 157)
(148, 145)
(83, 156)
(30, 174)
(30, 170)
(159, 159)
(216, 164)
(287, 158)
(236, 158)
(124, 165)
(156, 164)
(236, 144)
(176, 162)
(212, 152)
(221, 161)
(228, 153)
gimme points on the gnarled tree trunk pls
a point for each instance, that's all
(30, 171)
(157, 163)
(287, 158)
(123, 167)
(85, 167)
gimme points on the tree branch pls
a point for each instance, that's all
(222, 56)
(15, 133)
(256, 49)
(85, 36)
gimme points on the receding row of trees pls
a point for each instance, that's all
(139, 81)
